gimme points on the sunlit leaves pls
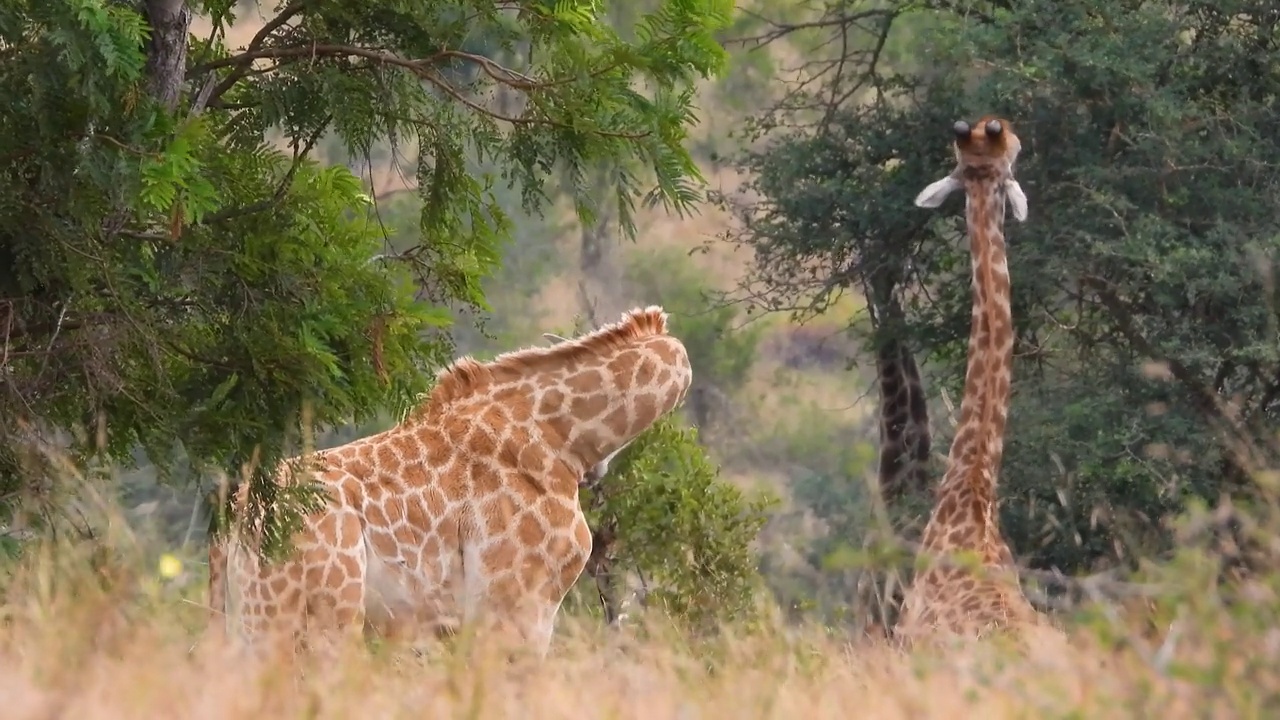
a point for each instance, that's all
(175, 176)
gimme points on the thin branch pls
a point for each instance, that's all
(423, 68)
(285, 15)
(282, 188)
(780, 29)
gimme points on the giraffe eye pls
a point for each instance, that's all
(994, 128)
(961, 129)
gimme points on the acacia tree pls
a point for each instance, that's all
(1151, 161)
(186, 286)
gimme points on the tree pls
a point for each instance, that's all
(663, 515)
(1145, 312)
(186, 287)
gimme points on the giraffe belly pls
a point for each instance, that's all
(401, 603)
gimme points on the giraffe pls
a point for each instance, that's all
(595, 473)
(604, 536)
(467, 511)
(905, 444)
(949, 599)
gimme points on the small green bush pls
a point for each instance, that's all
(676, 524)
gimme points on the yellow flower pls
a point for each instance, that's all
(170, 566)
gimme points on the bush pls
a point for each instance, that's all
(677, 526)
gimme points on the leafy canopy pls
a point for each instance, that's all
(1151, 160)
(186, 277)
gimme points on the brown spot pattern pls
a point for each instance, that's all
(490, 461)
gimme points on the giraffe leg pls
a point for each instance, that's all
(333, 628)
(512, 588)
(335, 590)
(516, 613)
(525, 629)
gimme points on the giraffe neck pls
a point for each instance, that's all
(974, 458)
(564, 409)
(905, 439)
(590, 411)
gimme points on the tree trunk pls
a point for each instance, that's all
(170, 22)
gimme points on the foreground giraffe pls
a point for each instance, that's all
(468, 510)
(946, 597)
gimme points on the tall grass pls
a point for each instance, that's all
(103, 629)
(116, 626)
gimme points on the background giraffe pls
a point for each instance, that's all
(946, 597)
(468, 510)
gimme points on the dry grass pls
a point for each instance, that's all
(116, 628)
(119, 644)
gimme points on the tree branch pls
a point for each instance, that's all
(299, 155)
(1240, 443)
(423, 68)
(241, 70)
(828, 20)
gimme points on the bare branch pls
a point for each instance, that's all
(285, 15)
(423, 68)
(778, 30)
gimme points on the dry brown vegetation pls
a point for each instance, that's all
(116, 628)
(76, 646)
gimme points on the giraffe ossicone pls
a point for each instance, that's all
(467, 511)
(994, 129)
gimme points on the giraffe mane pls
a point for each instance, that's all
(466, 375)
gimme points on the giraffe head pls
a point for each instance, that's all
(587, 398)
(988, 147)
(990, 142)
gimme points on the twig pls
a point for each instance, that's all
(781, 29)
(286, 13)
(299, 154)
(423, 68)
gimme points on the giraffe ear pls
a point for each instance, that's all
(932, 196)
(556, 339)
(1017, 200)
